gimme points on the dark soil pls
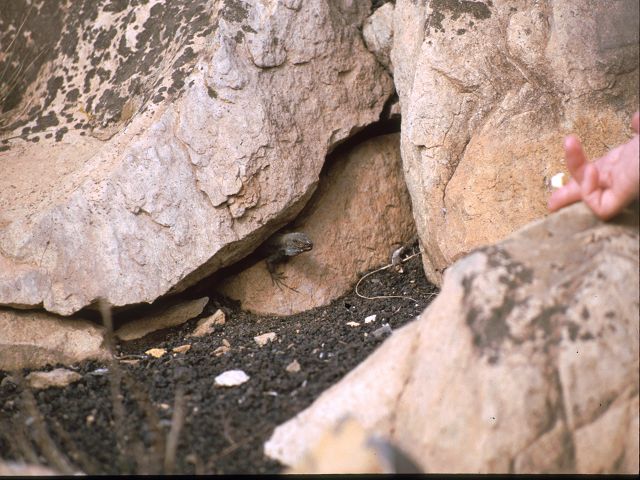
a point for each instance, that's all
(224, 428)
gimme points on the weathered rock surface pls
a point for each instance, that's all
(144, 148)
(487, 92)
(360, 212)
(167, 317)
(34, 339)
(526, 362)
(377, 32)
(347, 448)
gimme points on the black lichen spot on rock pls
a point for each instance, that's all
(72, 95)
(103, 74)
(45, 121)
(212, 93)
(574, 329)
(60, 133)
(610, 314)
(115, 102)
(116, 6)
(456, 8)
(87, 80)
(461, 31)
(104, 39)
(544, 322)
(53, 85)
(239, 38)
(489, 332)
(248, 29)
(35, 139)
(517, 274)
(158, 98)
(4, 148)
(585, 313)
(234, 11)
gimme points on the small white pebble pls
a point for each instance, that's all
(370, 318)
(231, 378)
(265, 338)
(558, 180)
(353, 324)
(293, 367)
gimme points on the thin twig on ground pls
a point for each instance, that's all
(387, 296)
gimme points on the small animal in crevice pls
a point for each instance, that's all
(280, 248)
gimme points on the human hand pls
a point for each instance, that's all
(606, 185)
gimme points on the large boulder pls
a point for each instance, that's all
(358, 215)
(487, 92)
(144, 148)
(526, 362)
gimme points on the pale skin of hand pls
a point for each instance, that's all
(606, 185)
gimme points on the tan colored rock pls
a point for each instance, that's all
(360, 212)
(174, 158)
(181, 349)
(265, 338)
(527, 361)
(207, 326)
(221, 350)
(377, 32)
(487, 91)
(156, 352)
(58, 378)
(347, 448)
(31, 339)
(169, 317)
(293, 367)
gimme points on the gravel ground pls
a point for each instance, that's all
(223, 429)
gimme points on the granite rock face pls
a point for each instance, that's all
(144, 148)
(487, 92)
(359, 214)
(526, 362)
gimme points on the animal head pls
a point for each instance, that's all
(298, 242)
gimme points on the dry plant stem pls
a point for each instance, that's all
(115, 379)
(19, 443)
(153, 421)
(42, 438)
(177, 421)
(232, 448)
(379, 270)
(78, 456)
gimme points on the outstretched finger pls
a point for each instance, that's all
(564, 196)
(575, 157)
(635, 122)
(600, 201)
